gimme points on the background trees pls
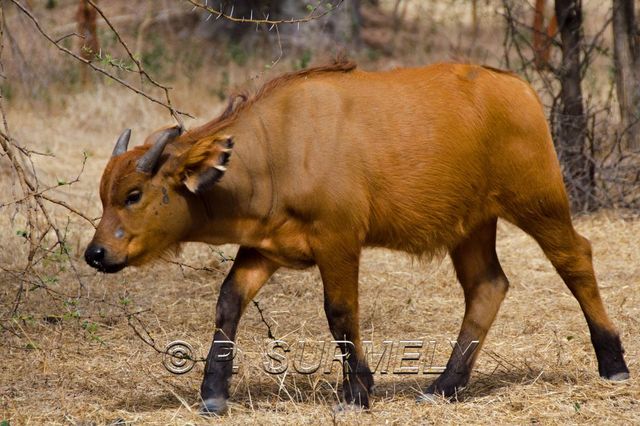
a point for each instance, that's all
(70, 82)
(571, 135)
(586, 78)
(563, 49)
(626, 54)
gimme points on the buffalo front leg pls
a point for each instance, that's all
(249, 272)
(485, 286)
(339, 271)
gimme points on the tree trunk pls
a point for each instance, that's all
(626, 56)
(86, 19)
(542, 36)
(474, 18)
(88, 46)
(571, 136)
(538, 23)
(356, 21)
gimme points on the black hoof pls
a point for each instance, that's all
(357, 389)
(613, 368)
(429, 398)
(618, 377)
(358, 397)
(345, 408)
(610, 354)
(214, 407)
(445, 387)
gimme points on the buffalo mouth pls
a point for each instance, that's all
(106, 267)
(110, 268)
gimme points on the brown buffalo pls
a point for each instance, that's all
(321, 163)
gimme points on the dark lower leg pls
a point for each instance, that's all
(339, 270)
(609, 352)
(479, 315)
(219, 365)
(250, 271)
(485, 286)
(574, 264)
(358, 379)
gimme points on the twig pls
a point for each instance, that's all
(219, 13)
(175, 113)
(269, 333)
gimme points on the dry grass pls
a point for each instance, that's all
(538, 365)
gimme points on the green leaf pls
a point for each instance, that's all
(51, 279)
(91, 327)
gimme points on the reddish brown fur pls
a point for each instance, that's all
(234, 108)
(329, 160)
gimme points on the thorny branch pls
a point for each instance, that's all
(269, 333)
(141, 330)
(315, 12)
(175, 113)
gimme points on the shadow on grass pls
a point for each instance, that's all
(260, 394)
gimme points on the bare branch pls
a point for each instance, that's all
(312, 15)
(141, 71)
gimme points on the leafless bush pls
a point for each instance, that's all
(606, 175)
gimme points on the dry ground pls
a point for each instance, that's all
(77, 361)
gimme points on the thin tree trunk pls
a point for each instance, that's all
(356, 21)
(571, 141)
(88, 46)
(538, 31)
(474, 18)
(86, 19)
(542, 35)
(626, 55)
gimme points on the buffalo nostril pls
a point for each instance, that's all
(99, 253)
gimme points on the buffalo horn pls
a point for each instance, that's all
(148, 161)
(122, 144)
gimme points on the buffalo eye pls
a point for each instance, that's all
(133, 197)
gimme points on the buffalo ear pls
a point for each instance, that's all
(204, 163)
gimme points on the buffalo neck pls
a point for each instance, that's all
(235, 209)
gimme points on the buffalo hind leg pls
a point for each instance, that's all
(570, 254)
(485, 286)
(249, 272)
(339, 270)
